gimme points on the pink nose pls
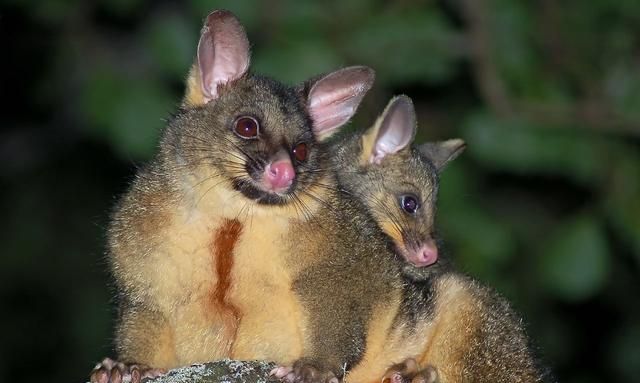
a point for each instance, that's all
(278, 176)
(425, 255)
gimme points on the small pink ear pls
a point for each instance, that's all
(334, 99)
(223, 52)
(397, 128)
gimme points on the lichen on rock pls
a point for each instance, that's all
(223, 371)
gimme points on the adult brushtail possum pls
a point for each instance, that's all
(194, 243)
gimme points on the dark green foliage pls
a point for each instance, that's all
(544, 204)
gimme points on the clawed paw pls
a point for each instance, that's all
(111, 371)
(284, 373)
(409, 372)
(303, 372)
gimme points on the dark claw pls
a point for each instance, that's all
(99, 376)
(116, 375)
(135, 374)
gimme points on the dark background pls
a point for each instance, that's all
(544, 205)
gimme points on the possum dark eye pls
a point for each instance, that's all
(246, 127)
(300, 151)
(409, 203)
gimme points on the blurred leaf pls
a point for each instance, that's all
(574, 263)
(138, 119)
(126, 112)
(483, 243)
(557, 337)
(583, 377)
(594, 40)
(101, 96)
(624, 352)
(623, 199)
(523, 147)
(515, 41)
(456, 181)
(245, 10)
(297, 16)
(122, 8)
(514, 52)
(296, 61)
(407, 46)
(51, 11)
(89, 337)
(623, 89)
(172, 43)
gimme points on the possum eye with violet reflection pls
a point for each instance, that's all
(409, 203)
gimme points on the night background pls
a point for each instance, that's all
(544, 205)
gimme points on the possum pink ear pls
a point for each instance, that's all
(334, 98)
(223, 53)
(394, 130)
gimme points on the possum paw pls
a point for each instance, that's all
(409, 372)
(111, 371)
(284, 373)
(304, 372)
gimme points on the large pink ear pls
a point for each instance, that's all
(223, 56)
(334, 98)
(393, 131)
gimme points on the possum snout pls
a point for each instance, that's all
(279, 176)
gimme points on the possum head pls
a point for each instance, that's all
(253, 135)
(397, 182)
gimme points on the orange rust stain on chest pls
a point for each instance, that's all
(221, 247)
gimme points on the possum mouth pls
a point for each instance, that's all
(261, 196)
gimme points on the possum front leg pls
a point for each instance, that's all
(338, 319)
(145, 347)
(320, 365)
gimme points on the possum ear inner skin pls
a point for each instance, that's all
(334, 98)
(393, 132)
(223, 56)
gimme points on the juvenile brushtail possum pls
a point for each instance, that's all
(194, 245)
(391, 309)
